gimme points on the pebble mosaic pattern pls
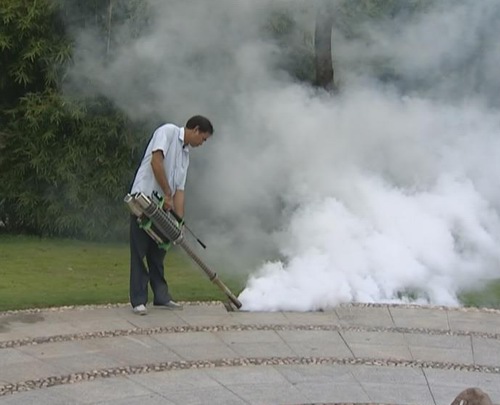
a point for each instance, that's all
(237, 362)
(236, 328)
(218, 303)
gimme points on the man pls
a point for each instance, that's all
(163, 169)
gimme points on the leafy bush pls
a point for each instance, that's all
(64, 164)
(65, 168)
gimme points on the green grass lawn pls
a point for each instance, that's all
(38, 272)
(489, 297)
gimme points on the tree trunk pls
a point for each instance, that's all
(110, 17)
(323, 46)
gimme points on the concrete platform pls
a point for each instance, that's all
(376, 354)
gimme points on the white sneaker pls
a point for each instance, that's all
(140, 310)
(169, 305)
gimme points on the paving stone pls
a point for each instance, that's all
(12, 334)
(388, 375)
(204, 352)
(101, 324)
(9, 357)
(256, 343)
(474, 321)
(20, 318)
(246, 375)
(321, 374)
(201, 320)
(311, 336)
(150, 399)
(316, 343)
(420, 318)
(190, 315)
(196, 345)
(108, 389)
(81, 362)
(400, 394)
(208, 310)
(377, 345)
(178, 380)
(258, 318)
(463, 379)
(255, 336)
(370, 351)
(133, 350)
(456, 356)
(97, 319)
(264, 350)
(365, 316)
(57, 350)
(276, 393)
(25, 369)
(154, 319)
(375, 338)
(438, 341)
(312, 318)
(219, 396)
(441, 348)
(188, 339)
(486, 351)
(440, 354)
(45, 328)
(39, 397)
(327, 392)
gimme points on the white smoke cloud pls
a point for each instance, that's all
(390, 205)
(379, 191)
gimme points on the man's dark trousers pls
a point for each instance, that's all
(143, 246)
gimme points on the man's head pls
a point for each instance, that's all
(197, 130)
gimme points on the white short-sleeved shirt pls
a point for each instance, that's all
(169, 139)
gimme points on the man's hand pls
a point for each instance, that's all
(168, 203)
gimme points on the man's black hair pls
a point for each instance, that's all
(201, 122)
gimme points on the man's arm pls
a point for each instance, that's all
(161, 177)
(179, 203)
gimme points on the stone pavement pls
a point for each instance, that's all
(378, 354)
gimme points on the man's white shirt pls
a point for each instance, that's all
(170, 140)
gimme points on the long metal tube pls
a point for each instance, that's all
(140, 205)
(213, 277)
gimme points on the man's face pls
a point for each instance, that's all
(198, 138)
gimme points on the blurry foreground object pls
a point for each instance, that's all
(472, 396)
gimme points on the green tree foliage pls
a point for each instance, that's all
(295, 43)
(69, 165)
(116, 22)
(33, 48)
(350, 16)
(65, 164)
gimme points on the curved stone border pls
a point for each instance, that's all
(97, 306)
(221, 303)
(237, 362)
(235, 328)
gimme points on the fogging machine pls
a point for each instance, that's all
(166, 228)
